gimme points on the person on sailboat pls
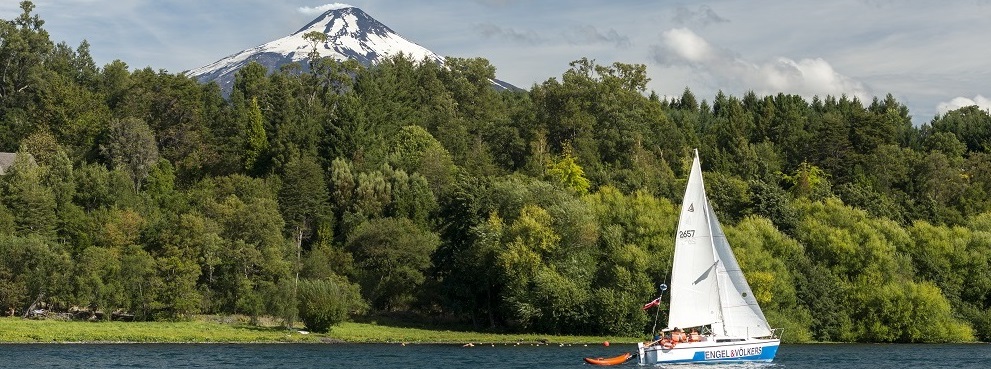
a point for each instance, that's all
(694, 336)
(678, 336)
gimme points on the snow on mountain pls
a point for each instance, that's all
(351, 34)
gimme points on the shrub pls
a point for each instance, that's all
(326, 302)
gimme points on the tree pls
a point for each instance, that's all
(23, 50)
(31, 203)
(971, 125)
(130, 146)
(315, 38)
(177, 294)
(303, 196)
(568, 173)
(809, 181)
(32, 266)
(416, 151)
(98, 283)
(303, 203)
(392, 255)
(763, 253)
(138, 273)
(253, 252)
(256, 142)
(632, 256)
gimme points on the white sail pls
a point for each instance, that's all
(742, 316)
(707, 285)
(694, 294)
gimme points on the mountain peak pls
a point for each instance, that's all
(351, 34)
(338, 12)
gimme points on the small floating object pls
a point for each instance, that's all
(469, 344)
(606, 344)
(615, 360)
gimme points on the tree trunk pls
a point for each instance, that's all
(33, 304)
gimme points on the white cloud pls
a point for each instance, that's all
(322, 8)
(960, 102)
(687, 46)
(806, 77)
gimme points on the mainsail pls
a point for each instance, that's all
(707, 285)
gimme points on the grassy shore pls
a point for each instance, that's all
(226, 330)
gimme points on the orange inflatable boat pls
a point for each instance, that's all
(615, 360)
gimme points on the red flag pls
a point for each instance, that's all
(651, 304)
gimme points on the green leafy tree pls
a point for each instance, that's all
(6, 221)
(392, 255)
(971, 125)
(24, 48)
(416, 151)
(28, 199)
(763, 251)
(256, 140)
(632, 257)
(907, 312)
(809, 181)
(253, 252)
(31, 267)
(131, 147)
(138, 273)
(303, 197)
(177, 294)
(98, 283)
(315, 38)
(303, 203)
(568, 173)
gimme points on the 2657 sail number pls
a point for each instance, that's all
(686, 233)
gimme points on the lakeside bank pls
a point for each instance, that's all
(226, 330)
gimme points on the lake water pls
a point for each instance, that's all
(369, 356)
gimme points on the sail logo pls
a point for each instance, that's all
(691, 208)
(733, 353)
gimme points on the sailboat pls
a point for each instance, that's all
(709, 295)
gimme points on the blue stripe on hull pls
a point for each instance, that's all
(766, 354)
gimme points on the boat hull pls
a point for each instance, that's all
(615, 360)
(756, 350)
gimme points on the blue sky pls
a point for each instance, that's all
(932, 56)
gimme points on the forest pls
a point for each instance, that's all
(332, 190)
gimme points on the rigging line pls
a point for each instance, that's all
(656, 314)
(663, 287)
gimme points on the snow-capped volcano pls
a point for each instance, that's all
(351, 34)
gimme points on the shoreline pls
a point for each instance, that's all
(226, 330)
(214, 330)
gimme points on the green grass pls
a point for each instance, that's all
(200, 330)
(213, 329)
